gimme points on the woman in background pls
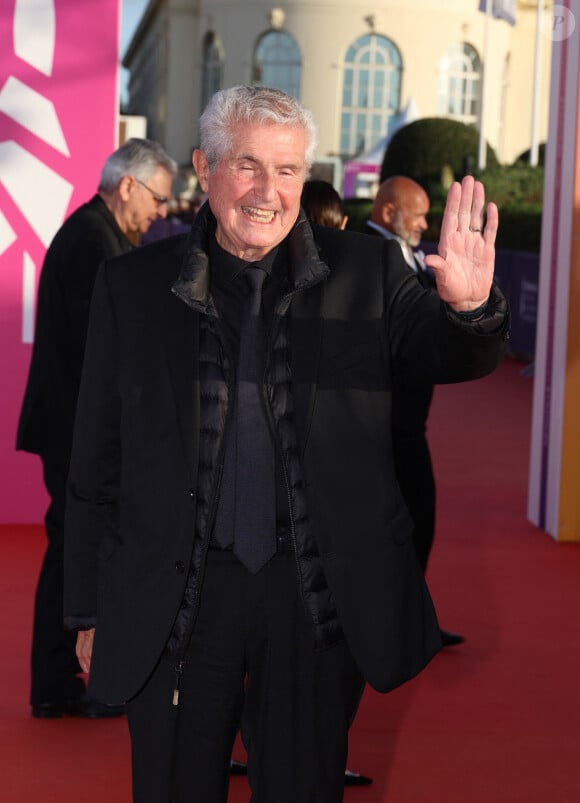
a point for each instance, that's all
(323, 204)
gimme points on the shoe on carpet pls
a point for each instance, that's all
(237, 767)
(449, 639)
(83, 706)
(356, 779)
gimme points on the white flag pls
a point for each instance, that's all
(501, 9)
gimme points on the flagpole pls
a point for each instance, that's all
(536, 87)
(482, 155)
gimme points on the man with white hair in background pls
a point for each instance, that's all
(133, 191)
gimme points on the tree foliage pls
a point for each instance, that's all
(434, 151)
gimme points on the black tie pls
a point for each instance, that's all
(248, 482)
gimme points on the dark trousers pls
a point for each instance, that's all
(251, 662)
(414, 471)
(54, 665)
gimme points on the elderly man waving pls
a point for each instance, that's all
(238, 550)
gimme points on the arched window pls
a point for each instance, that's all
(212, 68)
(278, 63)
(460, 84)
(371, 93)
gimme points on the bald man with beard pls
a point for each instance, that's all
(399, 212)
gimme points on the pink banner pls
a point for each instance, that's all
(58, 124)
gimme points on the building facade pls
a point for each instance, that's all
(356, 64)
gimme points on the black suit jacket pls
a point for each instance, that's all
(131, 508)
(89, 236)
(410, 404)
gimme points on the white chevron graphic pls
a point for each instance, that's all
(7, 234)
(34, 33)
(33, 111)
(41, 194)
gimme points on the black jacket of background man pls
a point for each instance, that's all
(359, 322)
(410, 411)
(89, 236)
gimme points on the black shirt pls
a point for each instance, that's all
(228, 289)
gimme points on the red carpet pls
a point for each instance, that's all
(495, 720)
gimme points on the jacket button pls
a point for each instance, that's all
(179, 566)
(191, 493)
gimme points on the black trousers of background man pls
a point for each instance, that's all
(54, 665)
(413, 465)
(250, 660)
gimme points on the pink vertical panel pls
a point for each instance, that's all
(58, 123)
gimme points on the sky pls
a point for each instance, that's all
(131, 13)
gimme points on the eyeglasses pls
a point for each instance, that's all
(159, 199)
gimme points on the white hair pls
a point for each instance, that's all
(250, 104)
(137, 157)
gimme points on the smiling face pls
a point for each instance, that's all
(254, 192)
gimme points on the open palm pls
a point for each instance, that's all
(464, 264)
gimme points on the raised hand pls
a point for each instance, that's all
(464, 264)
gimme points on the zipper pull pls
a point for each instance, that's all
(178, 673)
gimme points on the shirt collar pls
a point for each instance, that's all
(226, 267)
(405, 247)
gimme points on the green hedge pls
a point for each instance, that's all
(518, 192)
(435, 151)
(519, 230)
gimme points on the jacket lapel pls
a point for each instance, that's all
(308, 272)
(306, 328)
(182, 339)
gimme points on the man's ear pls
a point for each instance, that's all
(125, 187)
(201, 167)
(387, 212)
